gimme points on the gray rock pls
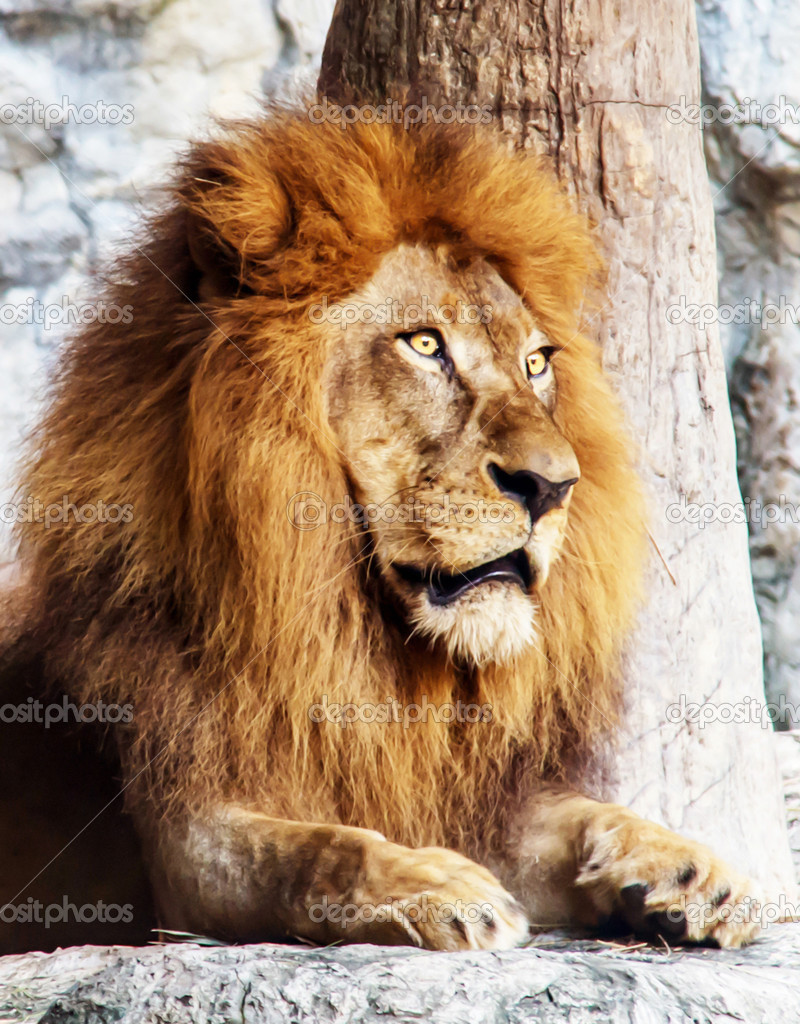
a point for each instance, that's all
(37, 248)
(556, 980)
(749, 50)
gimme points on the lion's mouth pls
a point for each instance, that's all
(444, 587)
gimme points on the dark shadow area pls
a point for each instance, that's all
(63, 881)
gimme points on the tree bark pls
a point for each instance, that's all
(590, 85)
(580, 982)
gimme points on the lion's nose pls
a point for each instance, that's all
(532, 490)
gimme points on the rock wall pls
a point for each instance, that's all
(749, 53)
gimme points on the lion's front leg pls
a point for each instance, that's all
(575, 861)
(244, 876)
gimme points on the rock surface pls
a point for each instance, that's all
(788, 744)
(557, 980)
(749, 51)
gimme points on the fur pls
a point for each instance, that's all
(209, 612)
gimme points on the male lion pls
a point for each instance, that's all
(278, 651)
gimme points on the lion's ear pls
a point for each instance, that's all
(238, 216)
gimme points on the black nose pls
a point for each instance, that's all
(536, 493)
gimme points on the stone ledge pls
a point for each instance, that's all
(555, 980)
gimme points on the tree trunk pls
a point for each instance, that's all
(590, 86)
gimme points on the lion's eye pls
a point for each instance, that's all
(426, 343)
(537, 362)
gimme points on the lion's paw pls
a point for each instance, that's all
(436, 899)
(661, 884)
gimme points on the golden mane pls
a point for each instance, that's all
(209, 612)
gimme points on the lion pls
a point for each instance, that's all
(385, 544)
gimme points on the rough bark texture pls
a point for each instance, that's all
(585, 982)
(590, 85)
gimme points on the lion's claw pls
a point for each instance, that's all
(437, 899)
(664, 885)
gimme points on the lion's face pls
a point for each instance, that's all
(448, 434)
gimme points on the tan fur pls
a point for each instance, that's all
(218, 619)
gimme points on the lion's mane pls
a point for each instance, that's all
(220, 622)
